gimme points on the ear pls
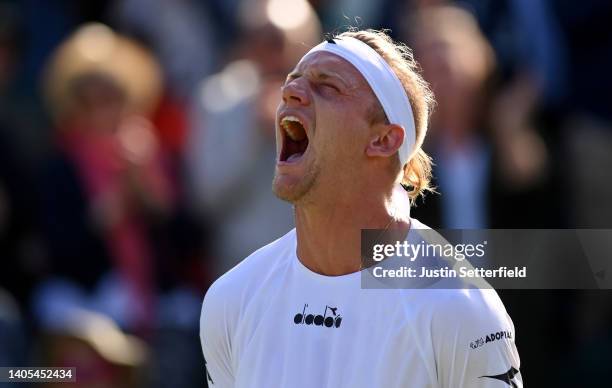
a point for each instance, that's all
(385, 142)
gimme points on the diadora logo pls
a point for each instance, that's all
(333, 319)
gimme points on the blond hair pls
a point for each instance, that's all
(417, 172)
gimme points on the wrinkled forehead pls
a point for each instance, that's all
(326, 63)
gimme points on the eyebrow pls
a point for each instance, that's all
(321, 75)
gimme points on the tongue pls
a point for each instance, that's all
(294, 157)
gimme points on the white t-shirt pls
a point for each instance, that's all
(271, 322)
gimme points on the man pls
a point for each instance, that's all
(349, 129)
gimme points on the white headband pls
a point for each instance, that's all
(383, 81)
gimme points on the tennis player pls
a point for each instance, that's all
(349, 131)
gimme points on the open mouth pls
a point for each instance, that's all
(295, 139)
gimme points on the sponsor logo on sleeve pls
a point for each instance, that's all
(492, 337)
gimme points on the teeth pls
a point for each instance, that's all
(291, 118)
(294, 133)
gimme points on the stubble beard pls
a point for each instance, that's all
(298, 192)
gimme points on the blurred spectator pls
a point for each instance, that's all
(106, 182)
(531, 82)
(118, 241)
(102, 355)
(486, 145)
(457, 61)
(231, 149)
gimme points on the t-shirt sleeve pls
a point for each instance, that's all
(474, 342)
(215, 340)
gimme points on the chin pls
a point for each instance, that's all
(287, 188)
(293, 189)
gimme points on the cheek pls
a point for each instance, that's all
(342, 131)
(338, 144)
(330, 128)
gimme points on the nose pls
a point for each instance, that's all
(295, 93)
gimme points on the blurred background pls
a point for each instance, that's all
(137, 152)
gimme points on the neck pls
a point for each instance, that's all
(329, 235)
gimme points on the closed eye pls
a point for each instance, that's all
(329, 86)
(332, 86)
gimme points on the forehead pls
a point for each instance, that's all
(322, 62)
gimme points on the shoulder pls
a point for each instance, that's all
(254, 269)
(461, 311)
(459, 300)
(471, 309)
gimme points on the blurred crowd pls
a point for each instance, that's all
(137, 153)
